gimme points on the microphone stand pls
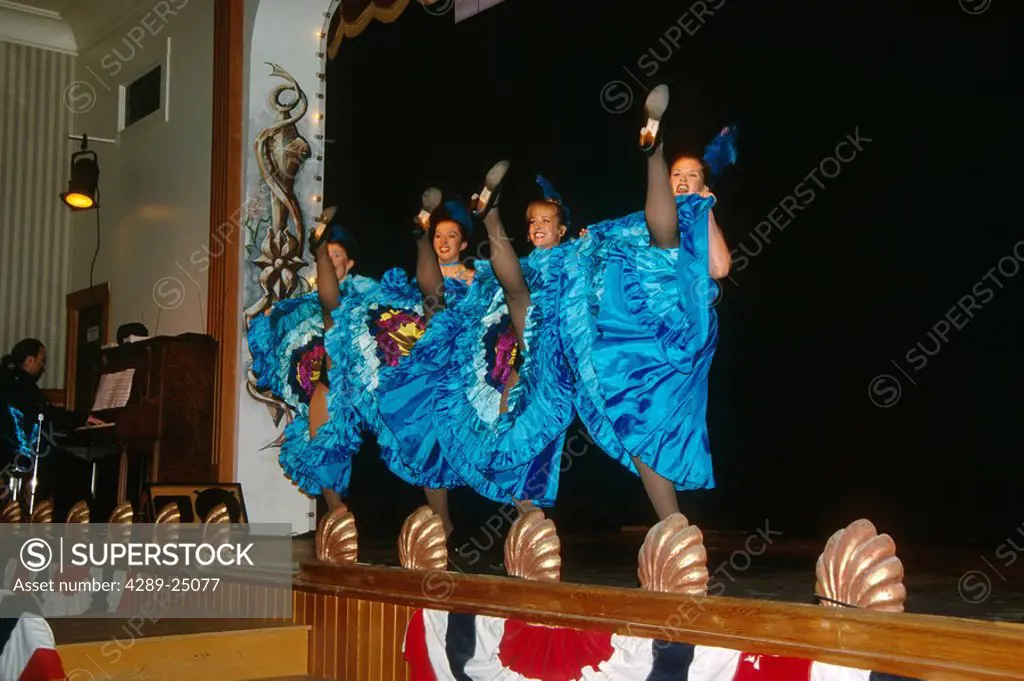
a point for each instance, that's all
(35, 467)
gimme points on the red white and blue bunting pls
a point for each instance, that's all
(27, 649)
(441, 646)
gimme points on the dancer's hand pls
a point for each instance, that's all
(93, 421)
(707, 192)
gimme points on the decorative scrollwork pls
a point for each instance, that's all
(859, 569)
(280, 154)
(337, 541)
(532, 549)
(673, 558)
(421, 543)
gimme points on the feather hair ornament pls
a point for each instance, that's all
(551, 194)
(721, 152)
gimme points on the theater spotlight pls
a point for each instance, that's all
(83, 187)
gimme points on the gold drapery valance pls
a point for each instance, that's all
(353, 16)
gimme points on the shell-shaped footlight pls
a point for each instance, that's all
(218, 514)
(421, 543)
(673, 558)
(121, 522)
(532, 549)
(337, 541)
(859, 568)
(169, 515)
(11, 512)
(122, 513)
(43, 512)
(79, 513)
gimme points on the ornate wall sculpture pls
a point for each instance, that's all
(280, 153)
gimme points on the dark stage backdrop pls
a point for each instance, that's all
(889, 234)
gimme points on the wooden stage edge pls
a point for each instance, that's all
(355, 619)
(366, 605)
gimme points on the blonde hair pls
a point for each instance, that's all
(560, 211)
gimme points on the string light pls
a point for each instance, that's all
(318, 117)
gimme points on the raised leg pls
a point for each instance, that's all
(660, 208)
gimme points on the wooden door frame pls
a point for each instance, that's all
(226, 237)
(75, 302)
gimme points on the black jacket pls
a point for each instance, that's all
(19, 390)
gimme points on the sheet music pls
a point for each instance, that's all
(114, 390)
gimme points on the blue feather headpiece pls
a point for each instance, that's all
(552, 195)
(454, 209)
(336, 233)
(721, 153)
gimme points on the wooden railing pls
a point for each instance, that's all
(359, 613)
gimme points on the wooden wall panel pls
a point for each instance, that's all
(353, 639)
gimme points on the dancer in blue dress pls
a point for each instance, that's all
(640, 326)
(503, 411)
(388, 349)
(290, 361)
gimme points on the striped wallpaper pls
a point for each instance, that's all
(35, 227)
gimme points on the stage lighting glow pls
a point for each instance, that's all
(76, 200)
(82, 187)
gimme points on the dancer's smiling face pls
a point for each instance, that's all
(448, 242)
(544, 224)
(687, 176)
(339, 258)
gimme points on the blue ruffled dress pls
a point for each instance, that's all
(513, 455)
(640, 331)
(288, 355)
(386, 361)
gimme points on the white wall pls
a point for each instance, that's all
(155, 183)
(35, 234)
(284, 33)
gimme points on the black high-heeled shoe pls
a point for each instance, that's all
(654, 109)
(487, 199)
(429, 202)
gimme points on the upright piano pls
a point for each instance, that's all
(165, 431)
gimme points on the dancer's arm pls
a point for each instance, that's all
(428, 275)
(719, 255)
(327, 288)
(509, 272)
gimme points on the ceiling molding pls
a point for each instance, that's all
(99, 21)
(29, 9)
(24, 25)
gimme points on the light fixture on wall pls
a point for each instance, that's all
(83, 185)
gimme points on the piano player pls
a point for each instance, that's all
(20, 371)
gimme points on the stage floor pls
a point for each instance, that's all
(949, 581)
